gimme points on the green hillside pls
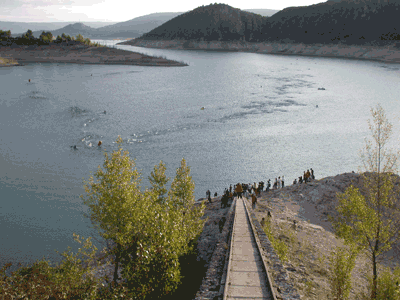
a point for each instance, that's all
(368, 22)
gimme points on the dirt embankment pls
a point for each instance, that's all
(82, 55)
(389, 54)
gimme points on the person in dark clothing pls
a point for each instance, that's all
(215, 195)
(224, 201)
(230, 188)
(295, 181)
(312, 174)
(283, 182)
(300, 179)
(268, 185)
(208, 193)
(253, 201)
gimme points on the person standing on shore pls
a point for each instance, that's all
(268, 185)
(253, 201)
(275, 184)
(312, 174)
(230, 188)
(239, 190)
(283, 182)
(279, 182)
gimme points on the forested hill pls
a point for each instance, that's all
(214, 22)
(347, 21)
(373, 22)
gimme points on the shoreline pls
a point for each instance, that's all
(388, 54)
(80, 55)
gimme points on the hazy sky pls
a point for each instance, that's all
(116, 10)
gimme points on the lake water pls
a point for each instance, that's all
(260, 121)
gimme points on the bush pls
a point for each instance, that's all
(279, 246)
(342, 263)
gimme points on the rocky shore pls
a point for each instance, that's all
(82, 54)
(299, 219)
(388, 54)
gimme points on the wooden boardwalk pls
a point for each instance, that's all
(246, 276)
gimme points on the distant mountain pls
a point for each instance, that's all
(21, 27)
(213, 22)
(136, 26)
(369, 22)
(72, 30)
(262, 12)
(128, 29)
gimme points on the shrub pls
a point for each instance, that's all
(342, 263)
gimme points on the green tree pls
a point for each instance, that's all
(158, 181)
(342, 262)
(371, 222)
(148, 235)
(80, 38)
(71, 279)
(115, 199)
(46, 37)
(5, 35)
(28, 34)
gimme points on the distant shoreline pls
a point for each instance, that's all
(80, 55)
(388, 54)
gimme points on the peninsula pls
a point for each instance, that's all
(80, 55)
(354, 30)
(64, 49)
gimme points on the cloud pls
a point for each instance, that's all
(44, 3)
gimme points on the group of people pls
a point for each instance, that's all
(254, 190)
(307, 177)
(279, 183)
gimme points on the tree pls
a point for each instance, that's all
(80, 38)
(114, 199)
(28, 35)
(158, 180)
(46, 37)
(371, 222)
(149, 235)
(5, 35)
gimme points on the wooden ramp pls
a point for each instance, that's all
(246, 276)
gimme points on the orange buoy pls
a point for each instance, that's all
(99, 144)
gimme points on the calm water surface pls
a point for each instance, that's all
(260, 121)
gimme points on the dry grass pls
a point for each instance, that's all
(7, 61)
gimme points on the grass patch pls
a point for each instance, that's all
(7, 61)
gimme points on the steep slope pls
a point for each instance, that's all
(373, 22)
(357, 22)
(213, 22)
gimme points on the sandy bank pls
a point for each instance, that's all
(383, 54)
(82, 55)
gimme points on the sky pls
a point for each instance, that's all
(117, 10)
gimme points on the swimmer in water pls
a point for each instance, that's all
(104, 112)
(74, 147)
(99, 144)
(29, 80)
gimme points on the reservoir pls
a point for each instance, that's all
(264, 116)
